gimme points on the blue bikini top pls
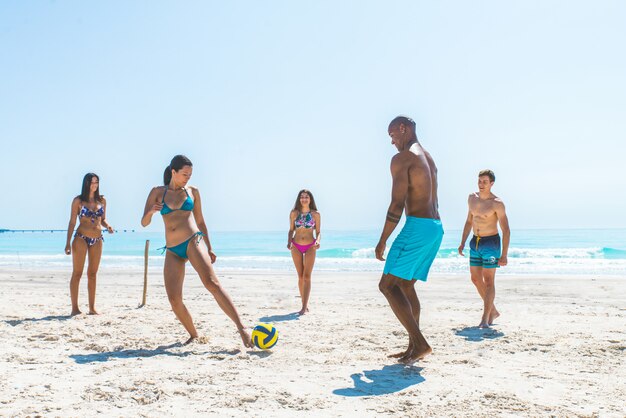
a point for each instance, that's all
(187, 204)
(85, 211)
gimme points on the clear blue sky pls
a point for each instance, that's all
(270, 97)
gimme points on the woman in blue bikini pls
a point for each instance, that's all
(184, 235)
(90, 209)
(303, 220)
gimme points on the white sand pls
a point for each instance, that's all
(558, 349)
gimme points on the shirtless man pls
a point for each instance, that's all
(486, 210)
(414, 190)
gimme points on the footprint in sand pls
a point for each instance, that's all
(95, 347)
(45, 337)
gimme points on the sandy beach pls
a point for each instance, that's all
(557, 350)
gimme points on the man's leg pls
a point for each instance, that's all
(388, 287)
(408, 288)
(479, 282)
(393, 289)
(489, 276)
(422, 349)
(476, 273)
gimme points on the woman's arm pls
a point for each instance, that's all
(152, 206)
(104, 214)
(292, 219)
(318, 226)
(199, 217)
(70, 226)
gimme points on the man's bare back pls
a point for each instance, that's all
(421, 196)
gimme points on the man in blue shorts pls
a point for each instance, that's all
(414, 191)
(486, 210)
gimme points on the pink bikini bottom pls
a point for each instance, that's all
(303, 248)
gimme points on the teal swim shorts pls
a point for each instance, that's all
(485, 251)
(414, 249)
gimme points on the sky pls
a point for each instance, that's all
(267, 98)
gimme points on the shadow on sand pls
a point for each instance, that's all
(280, 318)
(478, 334)
(15, 322)
(159, 351)
(389, 379)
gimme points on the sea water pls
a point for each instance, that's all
(538, 251)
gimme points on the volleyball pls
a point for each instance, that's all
(264, 336)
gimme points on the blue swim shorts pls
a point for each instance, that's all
(414, 249)
(485, 251)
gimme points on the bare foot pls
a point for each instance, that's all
(484, 320)
(493, 316)
(246, 338)
(190, 340)
(416, 354)
(93, 312)
(303, 311)
(402, 353)
(75, 312)
(197, 340)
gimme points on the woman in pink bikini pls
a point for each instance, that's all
(303, 220)
(90, 209)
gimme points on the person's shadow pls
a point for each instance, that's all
(159, 351)
(16, 322)
(280, 318)
(389, 379)
(478, 334)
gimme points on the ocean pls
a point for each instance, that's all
(546, 252)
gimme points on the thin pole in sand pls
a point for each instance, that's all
(145, 273)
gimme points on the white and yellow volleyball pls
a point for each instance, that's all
(264, 336)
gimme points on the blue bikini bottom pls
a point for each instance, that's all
(181, 249)
(88, 240)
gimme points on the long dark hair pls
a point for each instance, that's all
(84, 194)
(178, 162)
(298, 205)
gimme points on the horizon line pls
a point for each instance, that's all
(8, 230)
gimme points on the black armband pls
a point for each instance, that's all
(392, 217)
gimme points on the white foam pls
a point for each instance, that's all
(527, 261)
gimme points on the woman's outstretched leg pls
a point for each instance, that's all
(201, 262)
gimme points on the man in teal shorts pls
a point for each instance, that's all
(486, 210)
(414, 190)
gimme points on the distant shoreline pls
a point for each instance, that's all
(375, 230)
